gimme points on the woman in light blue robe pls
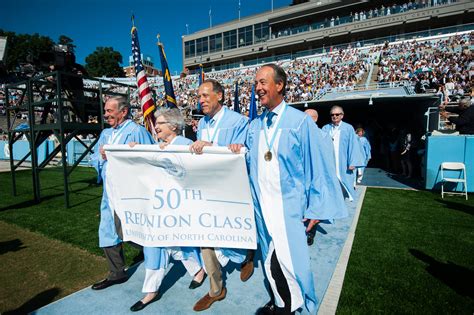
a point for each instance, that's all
(169, 123)
(297, 183)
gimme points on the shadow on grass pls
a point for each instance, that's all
(456, 277)
(86, 201)
(30, 203)
(457, 206)
(39, 300)
(138, 258)
(24, 204)
(11, 246)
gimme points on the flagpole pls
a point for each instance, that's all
(210, 17)
(239, 10)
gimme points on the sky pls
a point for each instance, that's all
(107, 23)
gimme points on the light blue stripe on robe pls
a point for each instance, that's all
(232, 129)
(131, 133)
(349, 154)
(158, 257)
(308, 188)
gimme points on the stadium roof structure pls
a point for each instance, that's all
(365, 94)
(289, 32)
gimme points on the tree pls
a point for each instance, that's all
(24, 48)
(104, 61)
(64, 40)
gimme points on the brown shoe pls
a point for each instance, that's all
(207, 301)
(246, 270)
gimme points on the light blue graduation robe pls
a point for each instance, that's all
(299, 182)
(180, 140)
(232, 128)
(126, 132)
(365, 149)
(349, 154)
(157, 257)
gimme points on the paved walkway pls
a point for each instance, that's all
(327, 263)
(5, 166)
(376, 177)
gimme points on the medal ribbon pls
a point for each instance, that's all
(272, 140)
(216, 128)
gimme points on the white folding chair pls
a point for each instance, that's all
(453, 166)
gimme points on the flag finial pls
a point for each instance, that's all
(159, 39)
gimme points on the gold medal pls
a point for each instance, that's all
(267, 156)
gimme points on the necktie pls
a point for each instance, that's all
(270, 116)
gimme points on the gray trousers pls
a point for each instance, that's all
(114, 255)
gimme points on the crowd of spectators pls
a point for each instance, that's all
(308, 78)
(375, 12)
(443, 65)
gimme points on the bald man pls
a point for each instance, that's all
(313, 114)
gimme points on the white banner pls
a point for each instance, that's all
(174, 198)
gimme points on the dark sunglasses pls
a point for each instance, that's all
(337, 114)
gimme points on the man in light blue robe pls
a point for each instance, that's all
(220, 127)
(366, 152)
(122, 130)
(346, 150)
(293, 180)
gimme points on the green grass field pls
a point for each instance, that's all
(73, 232)
(412, 254)
(77, 225)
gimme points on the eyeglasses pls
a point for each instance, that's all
(337, 114)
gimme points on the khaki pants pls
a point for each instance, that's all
(213, 269)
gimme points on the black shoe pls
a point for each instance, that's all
(267, 309)
(107, 283)
(310, 239)
(194, 284)
(140, 305)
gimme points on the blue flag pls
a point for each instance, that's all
(253, 105)
(236, 98)
(200, 80)
(169, 91)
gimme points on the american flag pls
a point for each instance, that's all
(144, 92)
